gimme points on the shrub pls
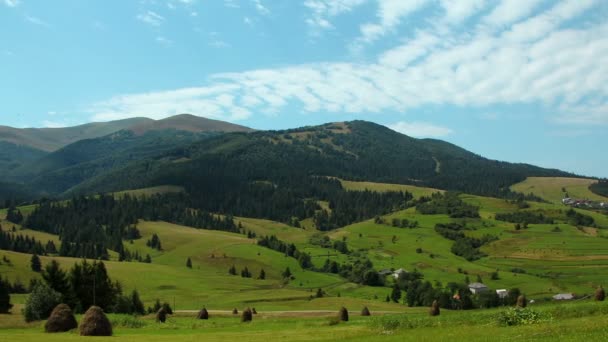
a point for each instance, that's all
(247, 315)
(522, 302)
(40, 303)
(600, 294)
(343, 314)
(161, 315)
(365, 311)
(95, 323)
(203, 314)
(518, 316)
(61, 320)
(434, 311)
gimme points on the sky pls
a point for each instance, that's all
(515, 80)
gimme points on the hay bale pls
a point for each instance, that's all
(343, 314)
(600, 294)
(247, 315)
(254, 311)
(161, 315)
(235, 311)
(61, 320)
(434, 311)
(95, 323)
(522, 302)
(365, 311)
(203, 314)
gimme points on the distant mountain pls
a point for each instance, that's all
(52, 173)
(355, 150)
(52, 139)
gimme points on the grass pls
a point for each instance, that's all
(163, 189)
(576, 321)
(416, 191)
(550, 188)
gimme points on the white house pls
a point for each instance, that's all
(477, 288)
(399, 272)
(502, 293)
(564, 296)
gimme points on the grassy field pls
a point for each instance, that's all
(582, 321)
(417, 191)
(550, 188)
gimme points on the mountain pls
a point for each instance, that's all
(356, 150)
(52, 173)
(52, 139)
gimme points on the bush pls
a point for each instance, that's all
(600, 294)
(434, 311)
(343, 314)
(203, 314)
(518, 316)
(365, 312)
(61, 320)
(40, 303)
(247, 315)
(95, 323)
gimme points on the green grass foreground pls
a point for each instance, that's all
(582, 321)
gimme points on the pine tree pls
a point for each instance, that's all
(189, 263)
(396, 293)
(35, 263)
(138, 306)
(286, 273)
(5, 297)
(232, 270)
(262, 275)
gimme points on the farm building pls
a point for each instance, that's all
(564, 296)
(502, 293)
(477, 288)
(399, 272)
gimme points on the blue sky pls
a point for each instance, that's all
(516, 80)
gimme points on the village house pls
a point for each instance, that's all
(476, 288)
(399, 272)
(502, 293)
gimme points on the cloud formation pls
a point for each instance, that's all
(151, 18)
(420, 129)
(526, 56)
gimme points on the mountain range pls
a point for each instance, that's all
(200, 154)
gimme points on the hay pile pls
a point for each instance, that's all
(235, 311)
(247, 315)
(203, 314)
(95, 323)
(522, 302)
(343, 314)
(161, 315)
(61, 320)
(434, 309)
(365, 312)
(600, 294)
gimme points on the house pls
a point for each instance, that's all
(564, 296)
(385, 272)
(476, 288)
(502, 293)
(399, 272)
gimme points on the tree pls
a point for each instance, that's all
(35, 263)
(57, 280)
(287, 273)
(14, 215)
(396, 293)
(232, 270)
(319, 293)
(5, 297)
(189, 263)
(138, 306)
(40, 303)
(262, 275)
(245, 273)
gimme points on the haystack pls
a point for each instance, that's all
(434, 309)
(235, 311)
(161, 315)
(203, 314)
(600, 294)
(522, 302)
(95, 323)
(247, 315)
(343, 314)
(61, 320)
(365, 312)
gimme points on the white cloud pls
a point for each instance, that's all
(390, 14)
(324, 10)
(12, 3)
(53, 124)
(151, 18)
(564, 68)
(263, 10)
(457, 11)
(420, 129)
(510, 11)
(164, 41)
(36, 21)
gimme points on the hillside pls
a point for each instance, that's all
(355, 151)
